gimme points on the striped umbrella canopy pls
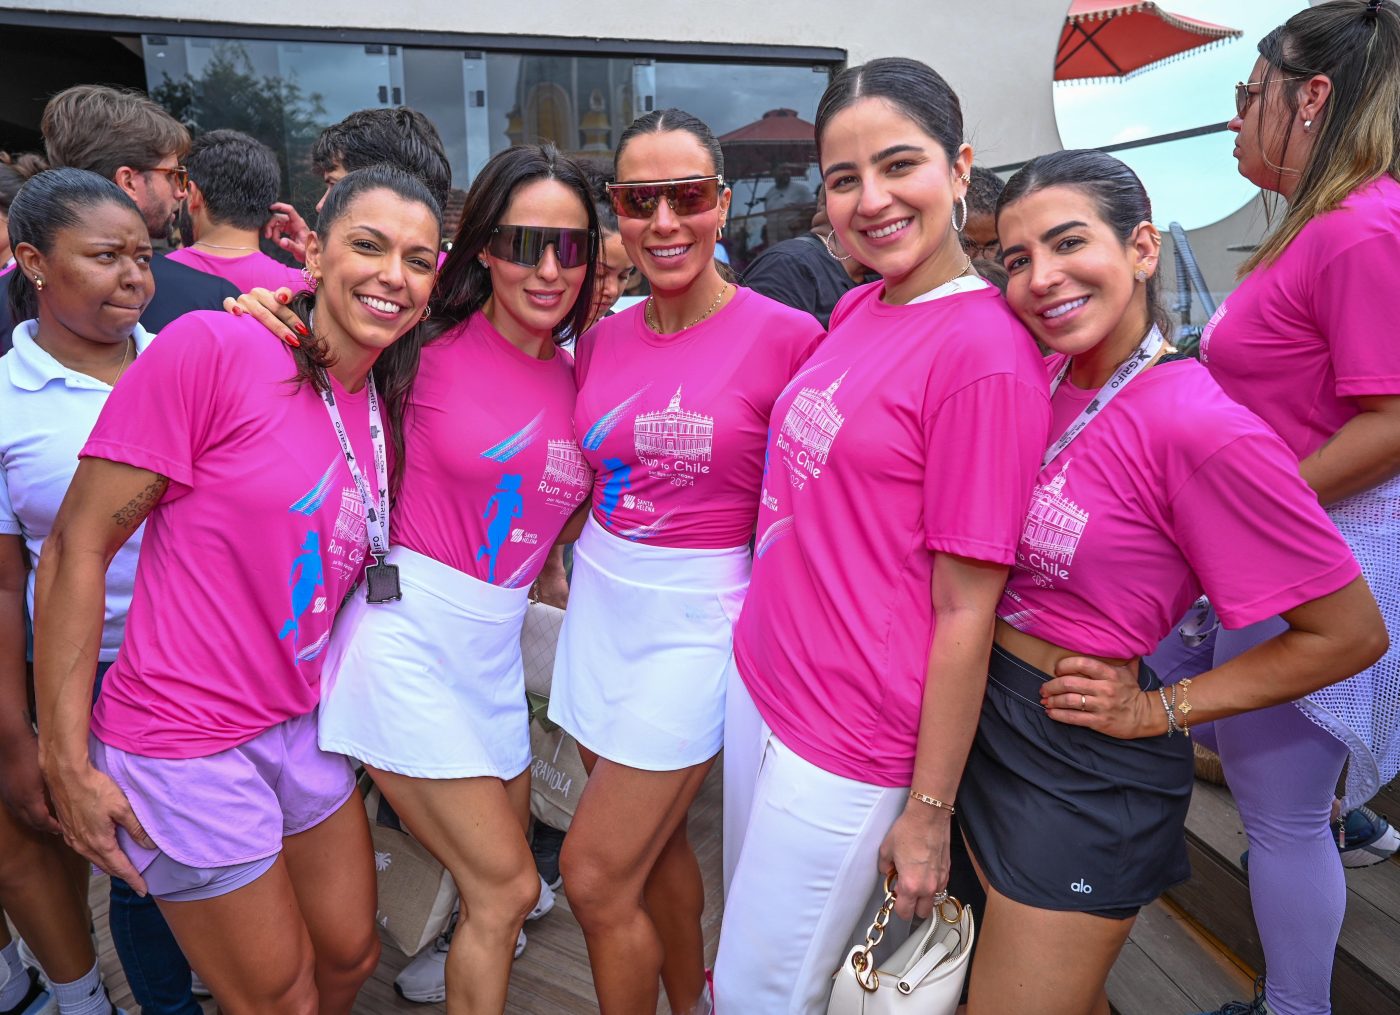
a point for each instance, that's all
(1114, 39)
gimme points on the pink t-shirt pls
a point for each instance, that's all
(1137, 518)
(913, 430)
(1303, 337)
(492, 468)
(249, 554)
(246, 272)
(674, 426)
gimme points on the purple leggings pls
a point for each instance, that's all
(1283, 772)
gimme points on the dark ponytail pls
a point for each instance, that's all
(661, 121)
(397, 365)
(51, 201)
(1115, 190)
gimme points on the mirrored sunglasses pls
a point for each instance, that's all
(684, 197)
(525, 245)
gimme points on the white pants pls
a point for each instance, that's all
(800, 852)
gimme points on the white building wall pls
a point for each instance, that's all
(998, 56)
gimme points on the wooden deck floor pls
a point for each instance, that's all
(1168, 966)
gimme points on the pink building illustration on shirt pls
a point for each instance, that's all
(564, 464)
(1054, 526)
(813, 420)
(674, 432)
(350, 523)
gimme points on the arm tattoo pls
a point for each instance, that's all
(140, 506)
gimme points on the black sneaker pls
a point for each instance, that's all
(1255, 1007)
(546, 843)
(35, 1000)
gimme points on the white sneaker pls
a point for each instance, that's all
(543, 906)
(27, 959)
(424, 980)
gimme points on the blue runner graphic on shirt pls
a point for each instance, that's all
(619, 479)
(311, 503)
(516, 442)
(307, 576)
(508, 505)
(607, 423)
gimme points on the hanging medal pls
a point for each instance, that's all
(381, 577)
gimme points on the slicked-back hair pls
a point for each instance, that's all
(1116, 191)
(464, 284)
(661, 121)
(101, 129)
(915, 89)
(48, 203)
(400, 137)
(237, 174)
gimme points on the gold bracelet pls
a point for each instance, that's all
(1185, 707)
(924, 798)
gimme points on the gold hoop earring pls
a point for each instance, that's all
(830, 244)
(719, 233)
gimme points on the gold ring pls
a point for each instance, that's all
(1083, 704)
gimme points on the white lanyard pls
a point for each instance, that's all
(376, 513)
(1127, 370)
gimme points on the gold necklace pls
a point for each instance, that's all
(651, 319)
(220, 246)
(126, 355)
(961, 272)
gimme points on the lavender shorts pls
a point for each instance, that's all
(219, 821)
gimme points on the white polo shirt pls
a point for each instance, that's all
(46, 414)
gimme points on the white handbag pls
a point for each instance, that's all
(925, 974)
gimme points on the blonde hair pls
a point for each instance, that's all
(1356, 44)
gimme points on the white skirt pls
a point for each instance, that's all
(431, 686)
(639, 678)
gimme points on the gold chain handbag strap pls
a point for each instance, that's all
(863, 963)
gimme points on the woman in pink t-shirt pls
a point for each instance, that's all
(674, 401)
(429, 691)
(1074, 799)
(899, 463)
(197, 777)
(1307, 341)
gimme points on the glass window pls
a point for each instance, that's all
(285, 93)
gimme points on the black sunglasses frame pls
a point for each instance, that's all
(573, 248)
